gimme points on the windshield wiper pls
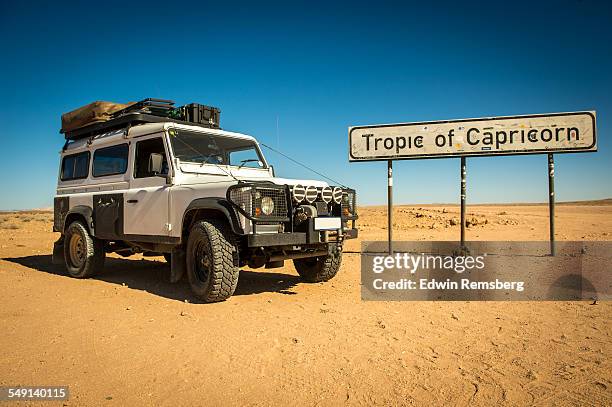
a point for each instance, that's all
(244, 162)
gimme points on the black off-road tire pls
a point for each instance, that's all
(212, 261)
(90, 257)
(318, 269)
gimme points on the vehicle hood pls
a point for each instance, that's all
(195, 174)
(290, 181)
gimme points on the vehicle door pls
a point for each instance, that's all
(146, 202)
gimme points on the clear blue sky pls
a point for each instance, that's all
(317, 68)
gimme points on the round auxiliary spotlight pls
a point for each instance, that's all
(298, 192)
(337, 195)
(311, 193)
(326, 194)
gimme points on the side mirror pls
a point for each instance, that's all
(155, 164)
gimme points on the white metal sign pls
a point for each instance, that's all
(530, 134)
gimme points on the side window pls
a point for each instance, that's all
(110, 160)
(144, 149)
(75, 166)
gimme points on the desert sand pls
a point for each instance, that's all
(128, 337)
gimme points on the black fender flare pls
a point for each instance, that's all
(219, 205)
(84, 211)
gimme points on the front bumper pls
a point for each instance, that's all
(296, 238)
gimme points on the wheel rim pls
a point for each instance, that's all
(203, 263)
(77, 250)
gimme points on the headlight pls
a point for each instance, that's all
(337, 195)
(267, 205)
(298, 192)
(311, 194)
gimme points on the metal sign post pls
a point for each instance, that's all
(390, 204)
(551, 201)
(463, 182)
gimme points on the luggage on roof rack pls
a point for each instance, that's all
(200, 114)
(95, 112)
(97, 117)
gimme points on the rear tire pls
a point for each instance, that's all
(83, 253)
(212, 261)
(318, 269)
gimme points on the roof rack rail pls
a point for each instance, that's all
(156, 107)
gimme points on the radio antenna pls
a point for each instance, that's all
(304, 165)
(277, 134)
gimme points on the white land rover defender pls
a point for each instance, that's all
(156, 179)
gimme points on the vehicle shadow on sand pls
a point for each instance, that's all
(154, 277)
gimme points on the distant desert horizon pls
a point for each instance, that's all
(588, 202)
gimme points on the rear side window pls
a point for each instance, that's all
(75, 166)
(110, 160)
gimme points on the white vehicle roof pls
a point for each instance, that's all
(148, 128)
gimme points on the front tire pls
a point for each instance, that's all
(212, 261)
(318, 269)
(83, 253)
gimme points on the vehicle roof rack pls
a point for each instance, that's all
(156, 107)
(150, 111)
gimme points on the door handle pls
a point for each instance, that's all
(132, 201)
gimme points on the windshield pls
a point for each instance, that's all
(204, 148)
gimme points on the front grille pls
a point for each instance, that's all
(322, 209)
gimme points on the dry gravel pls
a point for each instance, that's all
(127, 337)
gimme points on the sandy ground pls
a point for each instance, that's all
(127, 337)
